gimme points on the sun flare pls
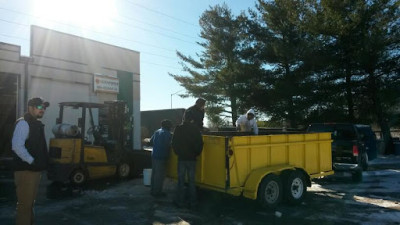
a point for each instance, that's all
(84, 13)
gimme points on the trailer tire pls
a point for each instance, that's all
(294, 187)
(124, 170)
(270, 191)
(78, 177)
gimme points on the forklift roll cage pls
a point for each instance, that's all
(88, 107)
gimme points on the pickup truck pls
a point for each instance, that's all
(353, 146)
(267, 168)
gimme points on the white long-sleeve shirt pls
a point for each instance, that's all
(21, 134)
(243, 124)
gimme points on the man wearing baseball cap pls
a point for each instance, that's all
(30, 158)
(195, 113)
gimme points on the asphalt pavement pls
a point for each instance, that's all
(332, 200)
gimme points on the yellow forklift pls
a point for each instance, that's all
(91, 142)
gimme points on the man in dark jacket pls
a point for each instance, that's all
(195, 113)
(30, 158)
(187, 143)
(161, 142)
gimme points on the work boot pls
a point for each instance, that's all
(178, 204)
(158, 194)
(194, 206)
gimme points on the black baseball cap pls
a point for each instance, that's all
(38, 101)
(166, 124)
(200, 101)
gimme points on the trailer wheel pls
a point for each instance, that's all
(78, 177)
(295, 187)
(270, 191)
(123, 170)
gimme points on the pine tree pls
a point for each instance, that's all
(219, 73)
(286, 49)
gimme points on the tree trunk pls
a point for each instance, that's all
(349, 96)
(380, 115)
(291, 114)
(234, 110)
(290, 105)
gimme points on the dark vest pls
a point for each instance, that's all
(35, 144)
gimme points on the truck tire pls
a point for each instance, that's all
(270, 191)
(78, 177)
(294, 187)
(356, 175)
(124, 170)
(364, 161)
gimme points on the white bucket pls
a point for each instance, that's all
(147, 177)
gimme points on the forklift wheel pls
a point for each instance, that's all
(124, 170)
(78, 177)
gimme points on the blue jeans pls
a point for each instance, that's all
(159, 167)
(186, 168)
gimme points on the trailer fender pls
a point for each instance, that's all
(255, 177)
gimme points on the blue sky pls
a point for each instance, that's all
(155, 28)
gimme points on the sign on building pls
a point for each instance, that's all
(103, 83)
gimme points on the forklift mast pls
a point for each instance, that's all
(117, 121)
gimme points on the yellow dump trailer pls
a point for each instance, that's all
(264, 167)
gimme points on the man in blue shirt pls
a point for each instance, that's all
(161, 142)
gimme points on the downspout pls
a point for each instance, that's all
(26, 60)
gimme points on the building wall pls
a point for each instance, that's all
(64, 67)
(11, 71)
(13, 64)
(61, 67)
